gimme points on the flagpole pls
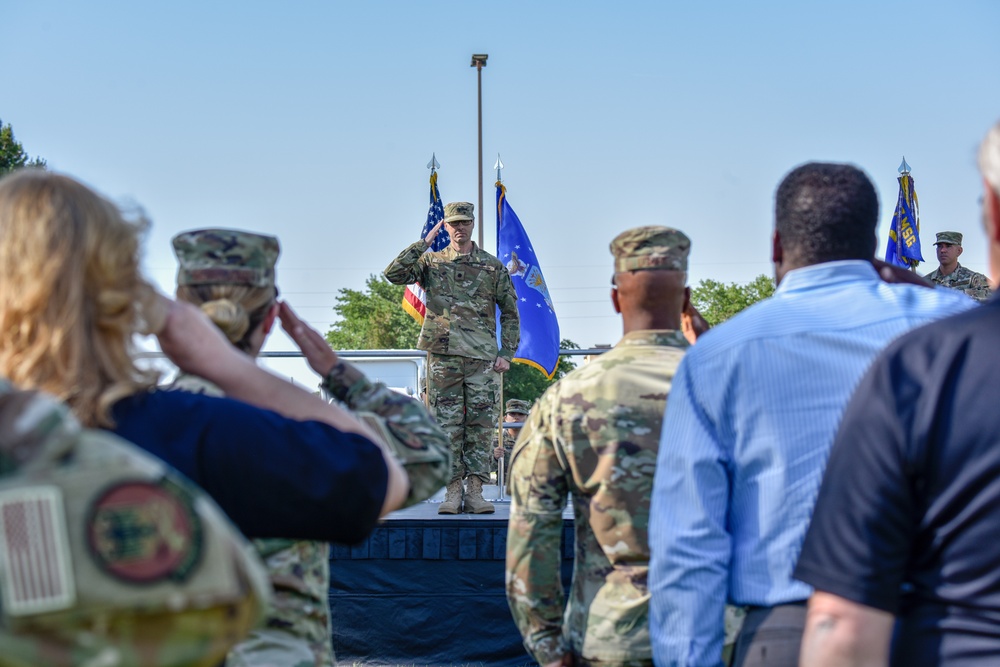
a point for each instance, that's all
(904, 172)
(479, 62)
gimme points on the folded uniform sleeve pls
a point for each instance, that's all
(414, 438)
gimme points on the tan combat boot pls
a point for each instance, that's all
(453, 498)
(474, 503)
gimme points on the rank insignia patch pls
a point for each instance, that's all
(145, 532)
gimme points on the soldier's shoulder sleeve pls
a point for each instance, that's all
(415, 439)
(204, 583)
(538, 496)
(407, 267)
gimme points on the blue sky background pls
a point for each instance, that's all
(315, 120)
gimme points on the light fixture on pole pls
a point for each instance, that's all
(479, 62)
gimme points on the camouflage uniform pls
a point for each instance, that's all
(595, 435)
(519, 410)
(298, 628)
(508, 447)
(459, 332)
(965, 280)
(974, 284)
(107, 557)
(418, 443)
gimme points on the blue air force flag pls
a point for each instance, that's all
(539, 345)
(903, 248)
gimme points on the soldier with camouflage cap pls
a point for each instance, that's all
(464, 286)
(952, 274)
(230, 274)
(516, 410)
(109, 557)
(595, 435)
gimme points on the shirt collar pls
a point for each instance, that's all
(654, 337)
(827, 273)
(451, 253)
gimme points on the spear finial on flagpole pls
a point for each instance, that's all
(433, 164)
(904, 168)
(499, 167)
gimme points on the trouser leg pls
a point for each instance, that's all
(482, 400)
(447, 398)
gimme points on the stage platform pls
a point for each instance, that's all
(428, 589)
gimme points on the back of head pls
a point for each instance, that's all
(107, 556)
(826, 212)
(230, 275)
(71, 295)
(651, 272)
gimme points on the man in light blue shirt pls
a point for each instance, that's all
(752, 413)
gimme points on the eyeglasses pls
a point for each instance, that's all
(461, 223)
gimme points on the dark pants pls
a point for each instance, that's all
(771, 636)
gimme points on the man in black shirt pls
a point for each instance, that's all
(908, 516)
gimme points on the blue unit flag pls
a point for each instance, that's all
(903, 248)
(539, 345)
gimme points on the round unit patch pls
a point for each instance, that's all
(144, 532)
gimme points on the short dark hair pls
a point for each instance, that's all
(826, 212)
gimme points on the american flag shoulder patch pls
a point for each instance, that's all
(35, 569)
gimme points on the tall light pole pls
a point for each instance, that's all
(479, 62)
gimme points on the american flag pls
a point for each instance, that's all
(34, 552)
(414, 298)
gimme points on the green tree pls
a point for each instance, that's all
(718, 302)
(373, 319)
(12, 154)
(528, 383)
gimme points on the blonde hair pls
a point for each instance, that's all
(71, 295)
(236, 309)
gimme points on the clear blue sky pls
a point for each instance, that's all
(314, 121)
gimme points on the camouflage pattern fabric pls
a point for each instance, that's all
(465, 397)
(462, 291)
(594, 434)
(225, 256)
(651, 248)
(508, 447)
(417, 442)
(297, 630)
(129, 563)
(965, 280)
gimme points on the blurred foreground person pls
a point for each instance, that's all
(108, 557)
(230, 275)
(71, 301)
(594, 435)
(754, 409)
(907, 519)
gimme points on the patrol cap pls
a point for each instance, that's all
(517, 406)
(225, 257)
(953, 238)
(652, 247)
(459, 210)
